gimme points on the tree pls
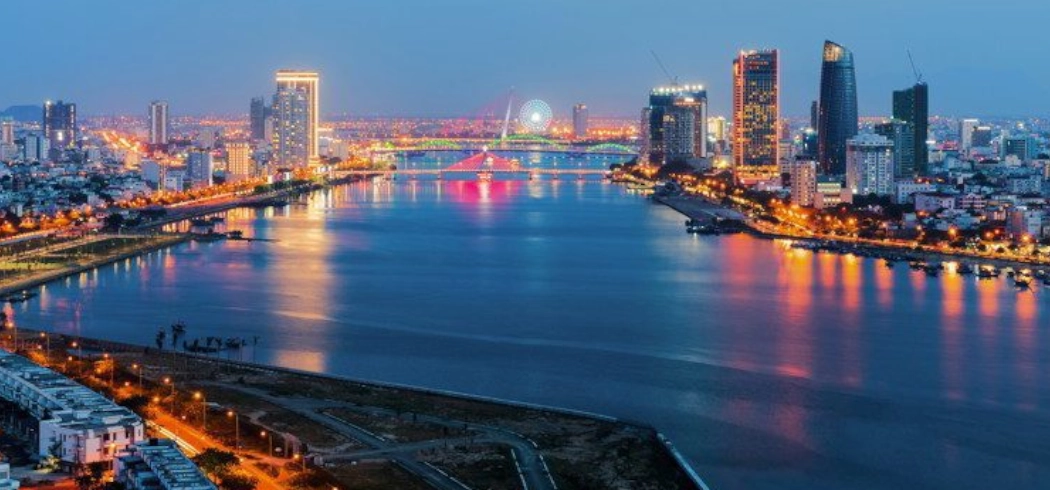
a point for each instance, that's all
(215, 462)
(236, 481)
(89, 476)
(136, 403)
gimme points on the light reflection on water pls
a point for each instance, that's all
(769, 366)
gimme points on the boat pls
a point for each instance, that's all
(932, 270)
(19, 297)
(987, 272)
(890, 263)
(964, 269)
(916, 265)
(1022, 282)
(210, 236)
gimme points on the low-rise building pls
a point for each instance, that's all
(158, 464)
(6, 482)
(72, 422)
(934, 201)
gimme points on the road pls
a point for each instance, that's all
(193, 442)
(534, 470)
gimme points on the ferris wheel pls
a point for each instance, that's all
(535, 116)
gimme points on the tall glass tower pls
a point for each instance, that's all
(837, 121)
(912, 105)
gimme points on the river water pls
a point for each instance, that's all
(769, 367)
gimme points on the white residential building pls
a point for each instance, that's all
(804, 183)
(158, 464)
(869, 165)
(74, 423)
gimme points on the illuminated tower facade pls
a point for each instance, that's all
(296, 113)
(756, 114)
(677, 126)
(579, 121)
(158, 122)
(837, 120)
(60, 124)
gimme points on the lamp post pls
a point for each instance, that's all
(204, 410)
(168, 381)
(138, 368)
(236, 429)
(270, 436)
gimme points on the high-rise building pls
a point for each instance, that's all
(158, 122)
(258, 117)
(7, 131)
(238, 161)
(645, 132)
(982, 137)
(199, 168)
(912, 105)
(296, 118)
(35, 148)
(756, 113)
(869, 165)
(902, 134)
(579, 121)
(60, 124)
(837, 121)
(1022, 147)
(810, 143)
(804, 182)
(966, 129)
(814, 114)
(677, 126)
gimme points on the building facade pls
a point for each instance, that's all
(580, 121)
(159, 122)
(804, 182)
(199, 168)
(72, 422)
(296, 118)
(902, 134)
(869, 165)
(756, 113)
(158, 464)
(258, 116)
(837, 120)
(60, 124)
(912, 106)
(677, 124)
(239, 164)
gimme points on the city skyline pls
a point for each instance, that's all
(592, 62)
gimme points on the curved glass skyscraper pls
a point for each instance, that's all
(838, 107)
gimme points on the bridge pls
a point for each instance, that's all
(517, 142)
(483, 164)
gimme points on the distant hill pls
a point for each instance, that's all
(24, 113)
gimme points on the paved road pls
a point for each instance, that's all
(193, 442)
(533, 470)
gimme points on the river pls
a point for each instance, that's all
(769, 367)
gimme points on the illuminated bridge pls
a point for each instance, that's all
(484, 165)
(518, 142)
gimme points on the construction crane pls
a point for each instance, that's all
(673, 79)
(918, 74)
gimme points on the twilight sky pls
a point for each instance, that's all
(455, 57)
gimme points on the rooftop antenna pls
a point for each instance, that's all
(918, 74)
(673, 79)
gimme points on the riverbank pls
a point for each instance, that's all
(697, 208)
(479, 441)
(129, 246)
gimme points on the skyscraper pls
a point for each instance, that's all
(199, 168)
(296, 118)
(756, 113)
(814, 114)
(804, 182)
(238, 161)
(869, 165)
(158, 122)
(837, 121)
(902, 134)
(260, 112)
(60, 124)
(579, 121)
(966, 129)
(7, 131)
(677, 123)
(912, 105)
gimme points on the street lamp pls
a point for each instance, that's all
(139, 369)
(299, 457)
(204, 410)
(236, 429)
(168, 381)
(270, 436)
